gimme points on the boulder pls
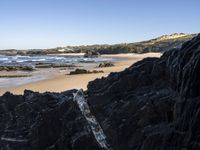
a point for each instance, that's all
(91, 54)
(106, 64)
(84, 71)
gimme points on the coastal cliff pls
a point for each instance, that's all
(159, 44)
(152, 105)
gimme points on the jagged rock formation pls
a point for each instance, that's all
(48, 121)
(152, 105)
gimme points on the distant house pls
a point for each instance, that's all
(61, 50)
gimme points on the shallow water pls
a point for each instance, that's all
(40, 75)
(11, 82)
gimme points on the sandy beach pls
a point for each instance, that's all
(58, 81)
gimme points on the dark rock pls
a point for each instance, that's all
(78, 71)
(42, 65)
(106, 64)
(35, 52)
(22, 53)
(154, 104)
(43, 121)
(16, 68)
(83, 71)
(91, 54)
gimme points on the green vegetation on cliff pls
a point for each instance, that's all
(159, 44)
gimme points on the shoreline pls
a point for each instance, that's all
(58, 81)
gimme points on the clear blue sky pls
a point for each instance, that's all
(51, 23)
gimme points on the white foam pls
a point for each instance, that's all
(15, 60)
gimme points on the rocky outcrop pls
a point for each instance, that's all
(91, 54)
(46, 121)
(41, 65)
(152, 105)
(16, 68)
(106, 64)
(83, 71)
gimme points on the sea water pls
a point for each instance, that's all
(39, 75)
(12, 82)
(33, 60)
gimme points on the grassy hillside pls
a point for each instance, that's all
(159, 44)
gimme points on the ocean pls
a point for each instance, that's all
(39, 75)
(33, 60)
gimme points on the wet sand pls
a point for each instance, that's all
(58, 81)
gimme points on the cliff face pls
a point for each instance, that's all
(152, 105)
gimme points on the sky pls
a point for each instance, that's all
(29, 24)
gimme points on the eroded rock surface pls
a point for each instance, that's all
(152, 105)
(48, 121)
